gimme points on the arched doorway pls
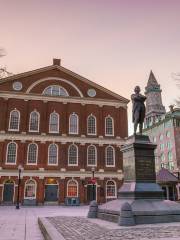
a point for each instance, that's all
(51, 190)
(8, 191)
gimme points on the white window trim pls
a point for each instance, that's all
(36, 155)
(109, 135)
(38, 121)
(58, 123)
(25, 189)
(7, 163)
(92, 134)
(77, 187)
(92, 165)
(77, 132)
(59, 88)
(77, 155)
(113, 156)
(53, 164)
(10, 129)
(110, 197)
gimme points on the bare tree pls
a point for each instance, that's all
(3, 71)
(2, 52)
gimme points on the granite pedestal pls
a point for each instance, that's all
(140, 190)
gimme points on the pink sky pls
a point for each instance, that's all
(112, 42)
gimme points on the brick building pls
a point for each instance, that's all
(58, 125)
(163, 128)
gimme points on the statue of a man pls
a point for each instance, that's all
(138, 110)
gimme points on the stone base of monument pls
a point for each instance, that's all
(144, 211)
(140, 199)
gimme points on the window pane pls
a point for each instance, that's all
(30, 189)
(109, 156)
(54, 122)
(72, 155)
(73, 123)
(34, 121)
(52, 154)
(91, 125)
(110, 189)
(55, 90)
(72, 189)
(11, 153)
(14, 120)
(109, 126)
(91, 155)
(32, 153)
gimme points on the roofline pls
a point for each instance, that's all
(39, 70)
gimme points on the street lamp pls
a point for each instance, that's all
(93, 182)
(20, 169)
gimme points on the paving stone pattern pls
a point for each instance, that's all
(73, 228)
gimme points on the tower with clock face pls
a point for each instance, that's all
(154, 106)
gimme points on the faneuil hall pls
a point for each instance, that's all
(61, 128)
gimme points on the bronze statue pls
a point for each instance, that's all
(138, 110)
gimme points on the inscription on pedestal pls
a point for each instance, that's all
(145, 169)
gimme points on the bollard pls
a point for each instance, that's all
(93, 209)
(126, 217)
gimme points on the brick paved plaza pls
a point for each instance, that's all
(71, 223)
(73, 228)
(22, 224)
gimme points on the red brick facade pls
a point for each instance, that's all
(30, 98)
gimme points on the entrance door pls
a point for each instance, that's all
(90, 190)
(8, 192)
(51, 193)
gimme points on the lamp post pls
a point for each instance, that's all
(20, 168)
(93, 182)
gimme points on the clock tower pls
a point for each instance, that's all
(154, 106)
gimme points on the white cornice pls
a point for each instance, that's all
(26, 97)
(60, 139)
(41, 175)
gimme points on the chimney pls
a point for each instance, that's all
(57, 61)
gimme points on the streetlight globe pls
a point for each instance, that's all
(20, 167)
(93, 169)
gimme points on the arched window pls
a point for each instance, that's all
(55, 90)
(14, 120)
(110, 156)
(109, 126)
(54, 123)
(34, 121)
(11, 153)
(73, 155)
(32, 153)
(53, 154)
(91, 156)
(73, 123)
(72, 188)
(168, 134)
(170, 156)
(111, 191)
(91, 125)
(30, 189)
(161, 137)
(162, 157)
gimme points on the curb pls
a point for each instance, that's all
(48, 230)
